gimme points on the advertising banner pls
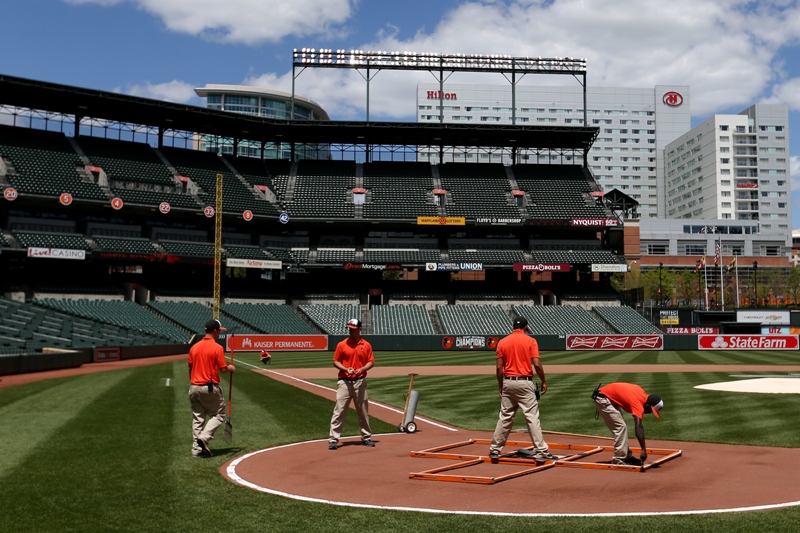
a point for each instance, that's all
(253, 263)
(615, 342)
(453, 267)
(469, 342)
(780, 330)
(542, 267)
(595, 222)
(106, 353)
(754, 342)
(669, 317)
(372, 266)
(494, 221)
(615, 267)
(57, 253)
(291, 343)
(763, 317)
(441, 221)
(692, 330)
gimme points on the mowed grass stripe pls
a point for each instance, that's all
(39, 413)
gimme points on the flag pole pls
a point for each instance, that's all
(705, 276)
(736, 267)
(721, 273)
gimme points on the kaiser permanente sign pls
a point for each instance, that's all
(253, 263)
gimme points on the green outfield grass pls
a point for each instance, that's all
(111, 451)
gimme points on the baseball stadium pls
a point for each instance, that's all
(129, 225)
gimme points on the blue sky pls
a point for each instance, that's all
(732, 53)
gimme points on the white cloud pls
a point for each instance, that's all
(787, 92)
(244, 21)
(794, 161)
(173, 91)
(726, 50)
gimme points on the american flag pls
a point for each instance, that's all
(716, 254)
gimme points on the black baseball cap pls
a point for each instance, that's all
(520, 322)
(354, 323)
(655, 403)
(213, 325)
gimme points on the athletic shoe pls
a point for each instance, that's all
(204, 447)
(331, 444)
(494, 455)
(368, 442)
(541, 457)
(627, 461)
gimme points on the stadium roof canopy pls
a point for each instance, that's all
(116, 107)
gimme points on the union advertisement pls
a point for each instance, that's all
(615, 342)
(293, 343)
(753, 342)
(453, 267)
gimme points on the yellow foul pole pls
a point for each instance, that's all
(217, 246)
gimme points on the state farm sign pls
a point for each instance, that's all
(292, 343)
(595, 222)
(615, 342)
(753, 342)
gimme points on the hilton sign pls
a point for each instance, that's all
(439, 95)
(672, 99)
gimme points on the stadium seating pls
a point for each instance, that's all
(121, 314)
(45, 163)
(586, 292)
(52, 240)
(557, 192)
(625, 320)
(203, 167)
(126, 161)
(321, 189)
(399, 190)
(474, 319)
(193, 316)
(575, 257)
(411, 295)
(477, 190)
(401, 320)
(268, 318)
(401, 255)
(559, 320)
(131, 246)
(258, 172)
(246, 252)
(138, 196)
(493, 294)
(332, 319)
(188, 249)
(487, 255)
(335, 255)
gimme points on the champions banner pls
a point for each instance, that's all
(615, 342)
(469, 342)
(753, 342)
(291, 343)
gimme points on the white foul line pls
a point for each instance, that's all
(231, 471)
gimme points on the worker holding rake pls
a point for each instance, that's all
(206, 361)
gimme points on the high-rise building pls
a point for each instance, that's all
(733, 167)
(635, 127)
(264, 103)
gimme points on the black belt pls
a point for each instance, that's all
(518, 378)
(350, 379)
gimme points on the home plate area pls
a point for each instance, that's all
(678, 477)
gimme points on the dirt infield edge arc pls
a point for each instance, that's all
(708, 478)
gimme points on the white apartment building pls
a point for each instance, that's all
(734, 167)
(635, 127)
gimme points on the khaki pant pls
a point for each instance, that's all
(345, 392)
(516, 394)
(612, 416)
(205, 404)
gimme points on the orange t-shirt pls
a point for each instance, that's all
(627, 396)
(205, 359)
(354, 355)
(517, 350)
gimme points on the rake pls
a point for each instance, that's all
(227, 436)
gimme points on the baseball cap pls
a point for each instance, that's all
(353, 323)
(656, 403)
(213, 325)
(520, 322)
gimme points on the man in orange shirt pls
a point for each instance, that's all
(353, 357)
(206, 361)
(517, 356)
(611, 400)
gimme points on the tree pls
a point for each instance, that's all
(793, 283)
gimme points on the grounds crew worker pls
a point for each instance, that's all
(353, 358)
(517, 356)
(611, 400)
(206, 360)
